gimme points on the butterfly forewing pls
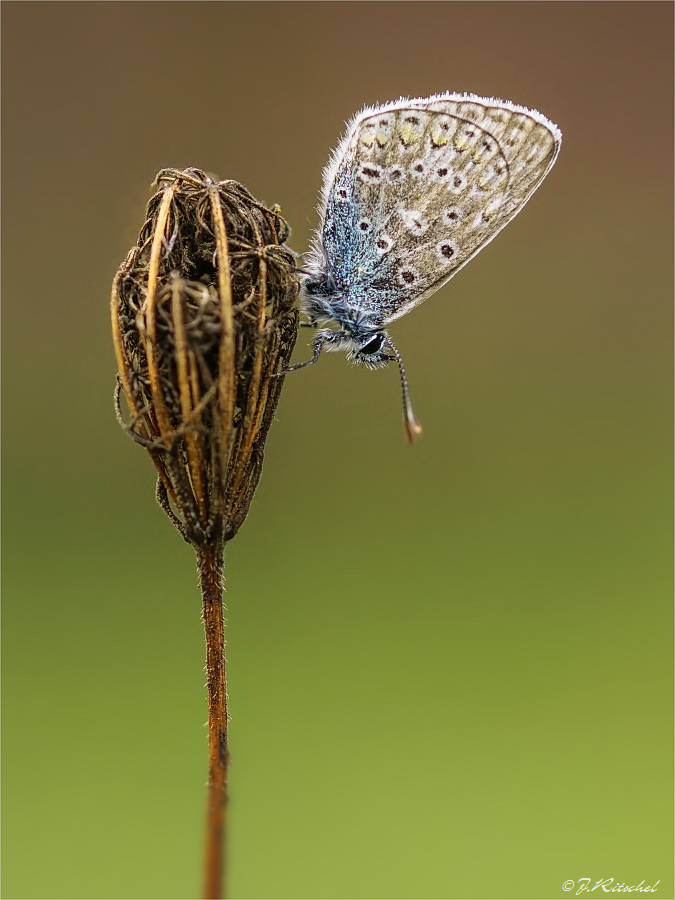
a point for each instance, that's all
(418, 188)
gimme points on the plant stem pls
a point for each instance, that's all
(210, 562)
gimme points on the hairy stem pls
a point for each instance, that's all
(210, 562)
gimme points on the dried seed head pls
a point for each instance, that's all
(203, 317)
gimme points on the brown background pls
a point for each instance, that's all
(449, 664)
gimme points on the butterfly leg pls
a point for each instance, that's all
(318, 344)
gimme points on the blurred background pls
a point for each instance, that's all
(449, 664)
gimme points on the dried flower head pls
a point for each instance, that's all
(203, 319)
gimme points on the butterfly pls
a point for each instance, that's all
(413, 191)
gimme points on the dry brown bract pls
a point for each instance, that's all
(203, 318)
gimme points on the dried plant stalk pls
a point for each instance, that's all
(203, 319)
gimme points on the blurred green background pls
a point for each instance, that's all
(449, 664)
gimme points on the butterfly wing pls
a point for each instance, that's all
(418, 187)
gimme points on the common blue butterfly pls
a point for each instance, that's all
(413, 191)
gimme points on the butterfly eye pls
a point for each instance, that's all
(373, 346)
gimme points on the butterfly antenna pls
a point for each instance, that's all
(413, 429)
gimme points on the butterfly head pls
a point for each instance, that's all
(363, 346)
